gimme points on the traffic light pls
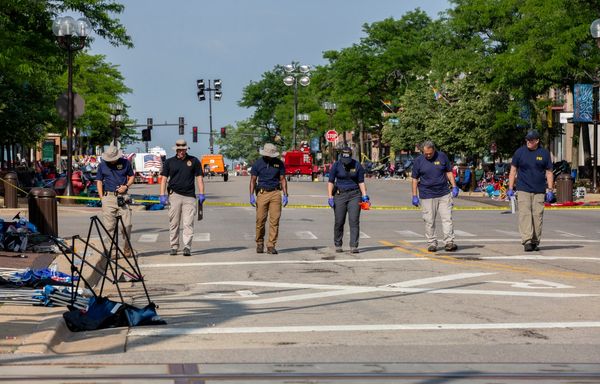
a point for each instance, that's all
(195, 134)
(181, 125)
(218, 93)
(146, 135)
(149, 123)
(223, 132)
(200, 85)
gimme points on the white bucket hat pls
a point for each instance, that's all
(269, 150)
(112, 153)
(180, 144)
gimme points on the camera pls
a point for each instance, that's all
(121, 201)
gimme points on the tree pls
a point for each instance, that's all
(242, 142)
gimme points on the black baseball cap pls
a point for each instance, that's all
(346, 152)
(532, 135)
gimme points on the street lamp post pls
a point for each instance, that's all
(330, 108)
(71, 36)
(304, 118)
(115, 113)
(296, 74)
(217, 84)
(595, 31)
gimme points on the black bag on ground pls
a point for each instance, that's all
(143, 316)
(102, 313)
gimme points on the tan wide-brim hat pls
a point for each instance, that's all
(269, 150)
(112, 153)
(180, 144)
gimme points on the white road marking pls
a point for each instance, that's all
(164, 331)
(340, 290)
(568, 234)
(362, 235)
(408, 233)
(204, 236)
(458, 232)
(509, 233)
(533, 284)
(437, 279)
(306, 235)
(148, 238)
(496, 240)
(249, 236)
(374, 260)
(246, 293)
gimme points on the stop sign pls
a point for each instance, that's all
(331, 136)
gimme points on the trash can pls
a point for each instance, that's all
(564, 188)
(42, 210)
(11, 180)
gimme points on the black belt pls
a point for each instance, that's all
(262, 189)
(105, 193)
(347, 190)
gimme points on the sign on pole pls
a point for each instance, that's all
(331, 135)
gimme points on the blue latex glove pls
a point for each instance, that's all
(163, 199)
(415, 201)
(549, 196)
(285, 200)
(331, 202)
(455, 191)
(510, 193)
(365, 198)
(253, 200)
(201, 197)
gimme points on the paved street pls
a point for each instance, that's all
(393, 302)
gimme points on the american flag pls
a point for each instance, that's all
(152, 161)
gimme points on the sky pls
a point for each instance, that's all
(180, 41)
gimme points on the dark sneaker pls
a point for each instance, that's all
(450, 247)
(260, 248)
(528, 247)
(354, 250)
(173, 252)
(432, 248)
(339, 250)
(272, 251)
(186, 252)
(536, 247)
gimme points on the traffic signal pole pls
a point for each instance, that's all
(210, 138)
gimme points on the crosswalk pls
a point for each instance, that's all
(401, 234)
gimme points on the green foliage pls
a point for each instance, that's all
(242, 142)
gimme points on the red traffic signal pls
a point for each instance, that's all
(223, 132)
(195, 134)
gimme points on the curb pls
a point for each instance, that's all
(52, 330)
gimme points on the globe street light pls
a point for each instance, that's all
(296, 74)
(71, 36)
(115, 113)
(595, 31)
(330, 108)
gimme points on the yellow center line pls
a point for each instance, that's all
(408, 248)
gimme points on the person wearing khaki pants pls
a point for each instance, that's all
(531, 168)
(267, 181)
(113, 179)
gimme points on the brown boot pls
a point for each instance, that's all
(260, 248)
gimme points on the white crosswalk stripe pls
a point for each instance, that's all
(202, 236)
(509, 233)
(409, 233)
(148, 238)
(362, 235)
(306, 235)
(567, 234)
(458, 232)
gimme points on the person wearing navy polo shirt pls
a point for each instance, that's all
(531, 167)
(267, 181)
(346, 189)
(431, 173)
(113, 179)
